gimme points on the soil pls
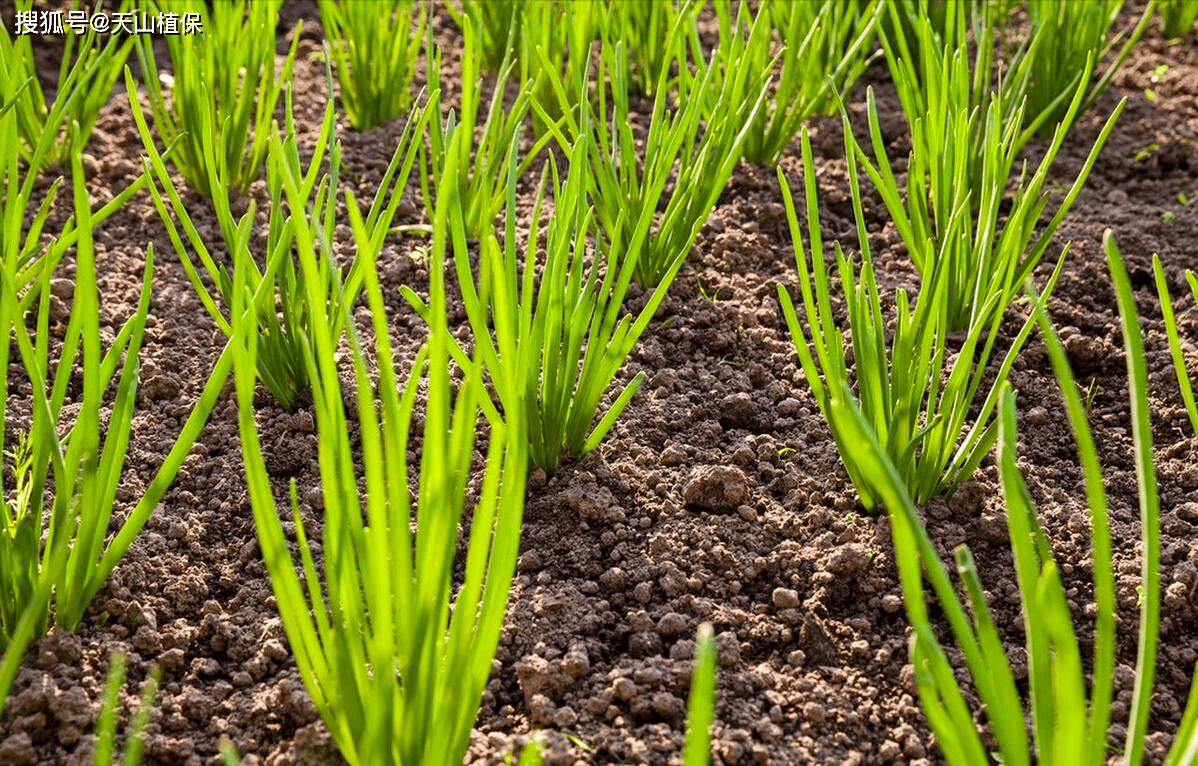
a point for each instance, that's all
(717, 497)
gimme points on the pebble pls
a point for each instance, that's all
(785, 598)
(613, 578)
(727, 649)
(673, 455)
(640, 622)
(540, 709)
(1036, 416)
(716, 488)
(667, 706)
(738, 411)
(672, 624)
(814, 712)
(683, 650)
(642, 592)
(848, 559)
(576, 663)
(645, 644)
(1188, 512)
(623, 689)
(565, 717)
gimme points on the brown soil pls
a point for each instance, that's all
(717, 497)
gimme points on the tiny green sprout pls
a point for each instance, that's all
(784, 451)
(710, 297)
(1183, 199)
(1155, 78)
(529, 756)
(272, 627)
(228, 753)
(578, 741)
(1090, 391)
(1168, 216)
(1145, 153)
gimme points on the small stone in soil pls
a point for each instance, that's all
(785, 598)
(671, 624)
(644, 644)
(716, 488)
(727, 648)
(848, 559)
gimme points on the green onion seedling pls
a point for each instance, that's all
(642, 30)
(55, 565)
(957, 219)
(703, 137)
(374, 46)
(498, 24)
(1174, 336)
(103, 752)
(26, 251)
(916, 391)
(1075, 36)
(556, 37)
(553, 338)
(225, 78)
(482, 168)
(48, 133)
(900, 26)
(393, 646)
(825, 49)
(285, 330)
(1066, 726)
(1177, 17)
(700, 711)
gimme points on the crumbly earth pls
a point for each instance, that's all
(717, 497)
